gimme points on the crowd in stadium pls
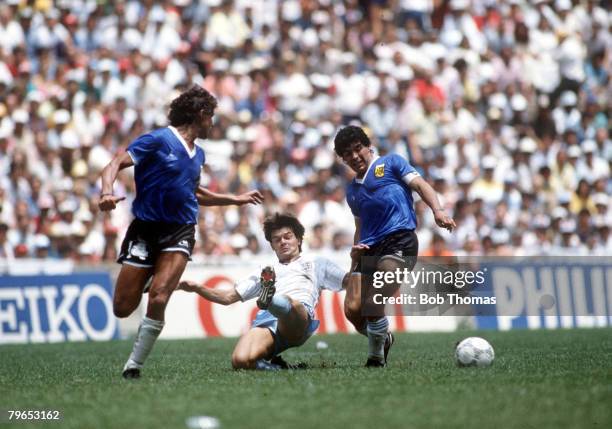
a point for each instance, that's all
(501, 105)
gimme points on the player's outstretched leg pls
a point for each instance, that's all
(352, 304)
(128, 289)
(168, 271)
(293, 319)
(294, 326)
(127, 296)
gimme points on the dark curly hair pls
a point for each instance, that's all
(349, 135)
(185, 108)
(280, 220)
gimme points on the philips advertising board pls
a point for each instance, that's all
(547, 292)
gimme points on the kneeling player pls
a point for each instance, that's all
(287, 293)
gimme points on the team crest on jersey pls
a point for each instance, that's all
(379, 171)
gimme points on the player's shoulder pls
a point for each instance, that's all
(308, 261)
(307, 258)
(156, 135)
(163, 133)
(143, 140)
(392, 158)
(318, 260)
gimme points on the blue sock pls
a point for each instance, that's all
(264, 365)
(377, 334)
(280, 305)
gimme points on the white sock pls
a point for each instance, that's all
(280, 305)
(148, 332)
(377, 334)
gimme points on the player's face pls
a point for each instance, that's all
(205, 125)
(358, 157)
(285, 244)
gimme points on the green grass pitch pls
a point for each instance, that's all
(540, 379)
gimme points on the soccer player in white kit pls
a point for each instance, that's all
(287, 293)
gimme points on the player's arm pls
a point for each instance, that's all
(330, 276)
(109, 174)
(346, 280)
(358, 248)
(428, 194)
(206, 197)
(224, 296)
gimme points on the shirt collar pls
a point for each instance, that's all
(190, 152)
(360, 181)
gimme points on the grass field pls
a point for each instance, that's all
(540, 379)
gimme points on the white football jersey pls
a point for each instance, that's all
(302, 280)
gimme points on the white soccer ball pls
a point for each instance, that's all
(474, 351)
(322, 345)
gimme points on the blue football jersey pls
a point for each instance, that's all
(167, 174)
(382, 200)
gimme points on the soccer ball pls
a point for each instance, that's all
(474, 351)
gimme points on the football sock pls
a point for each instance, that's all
(148, 332)
(377, 334)
(264, 365)
(280, 305)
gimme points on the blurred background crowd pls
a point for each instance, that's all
(503, 106)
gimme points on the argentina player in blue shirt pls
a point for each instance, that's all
(160, 239)
(380, 197)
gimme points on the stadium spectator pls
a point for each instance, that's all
(444, 84)
(438, 247)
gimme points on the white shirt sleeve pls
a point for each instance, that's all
(329, 275)
(410, 177)
(248, 288)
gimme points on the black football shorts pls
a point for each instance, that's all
(144, 241)
(401, 245)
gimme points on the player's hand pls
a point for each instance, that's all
(187, 286)
(357, 250)
(444, 221)
(251, 197)
(109, 202)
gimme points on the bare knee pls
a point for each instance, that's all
(121, 310)
(128, 290)
(124, 305)
(241, 360)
